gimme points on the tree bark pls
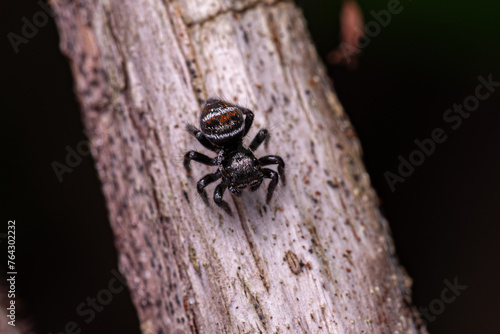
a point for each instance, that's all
(318, 259)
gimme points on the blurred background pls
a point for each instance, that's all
(444, 217)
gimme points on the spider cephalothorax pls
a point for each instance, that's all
(223, 126)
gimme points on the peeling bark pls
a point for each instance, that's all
(318, 259)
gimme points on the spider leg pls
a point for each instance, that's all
(256, 186)
(270, 174)
(263, 135)
(198, 157)
(219, 192)
(201, 137)
(248, 119)
(235, 191)
(205, 181)
(274, 159)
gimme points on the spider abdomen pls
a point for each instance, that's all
(221, 122)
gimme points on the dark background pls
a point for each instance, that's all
(444, 217)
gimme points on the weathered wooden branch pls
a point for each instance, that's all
(319, 259)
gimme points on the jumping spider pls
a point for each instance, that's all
(223, 127)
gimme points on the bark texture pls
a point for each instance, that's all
(319, 259)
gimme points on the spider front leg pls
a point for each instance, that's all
(263, 135)
(255, 186)
(270, 174)
(219, 192)
(205, 181)
(274, 159)
(248, 119)
(201, 158)
(201, 137)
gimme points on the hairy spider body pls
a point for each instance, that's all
(242, 169)
(223, 126)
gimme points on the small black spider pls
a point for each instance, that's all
(223, 127)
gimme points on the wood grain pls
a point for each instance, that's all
(318, 259)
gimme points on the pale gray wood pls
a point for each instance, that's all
(319, 259)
